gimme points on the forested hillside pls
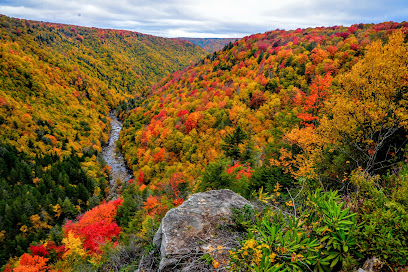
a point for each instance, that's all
(57, 85)
(264, 85)
(288, 111)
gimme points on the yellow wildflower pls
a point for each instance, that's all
(257, 256)
(251, 243)
(272, 257)
(289, 203)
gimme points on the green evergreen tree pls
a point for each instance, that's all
(232, 142)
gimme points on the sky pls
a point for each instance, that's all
(206, 18)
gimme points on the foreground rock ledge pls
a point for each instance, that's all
(190, 227)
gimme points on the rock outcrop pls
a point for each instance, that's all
(193, 228)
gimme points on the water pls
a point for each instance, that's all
(113, 157)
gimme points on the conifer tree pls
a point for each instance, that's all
(232, 142)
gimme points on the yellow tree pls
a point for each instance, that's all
(369, 110)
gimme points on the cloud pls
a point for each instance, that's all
(210, 18)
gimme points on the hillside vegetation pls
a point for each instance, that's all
(257, 95)
(57, 85)
(287, 113)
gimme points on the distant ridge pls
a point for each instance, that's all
(210, 44)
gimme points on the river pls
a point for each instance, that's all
(113, 157)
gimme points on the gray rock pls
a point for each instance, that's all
(187, 229)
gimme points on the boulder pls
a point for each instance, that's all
(192, 228)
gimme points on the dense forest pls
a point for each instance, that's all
(57, 85)
(313, 121)
(286, 113)
(260, 95)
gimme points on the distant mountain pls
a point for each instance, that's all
(210, 44)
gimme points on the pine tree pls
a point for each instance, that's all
(232, 142)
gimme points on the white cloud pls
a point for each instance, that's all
(209, 18)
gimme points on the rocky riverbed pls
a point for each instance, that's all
(113, 157)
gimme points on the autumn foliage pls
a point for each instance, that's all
(58, 84)
(322, 106)
(96, 227)
(153, 206)
(39, 251)
(273, 86)
(311, 103)
(30, 263)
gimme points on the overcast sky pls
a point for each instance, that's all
(207, 18)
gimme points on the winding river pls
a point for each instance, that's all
(113, 157)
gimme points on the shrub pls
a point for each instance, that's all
(321, 239)
(385, 229)
(336, 227)
(276, 243)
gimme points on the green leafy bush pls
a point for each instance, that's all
(321, 239)
(267, 177)
(276, 243)
(335, 226)
(385, 218)
(385, 234)
(215, 177)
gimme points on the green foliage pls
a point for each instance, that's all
(385, 219)
(321, 239)
(275, 243)
(222, 175)
(244, 218)
(128, 215)
(267, 177)
(215, 177)
(336, 226)
(243, 179)
(232, 142)
(399, 186)
(28, 189)
(384, 234)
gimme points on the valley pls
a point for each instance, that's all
(104, 131)
(58, 84)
